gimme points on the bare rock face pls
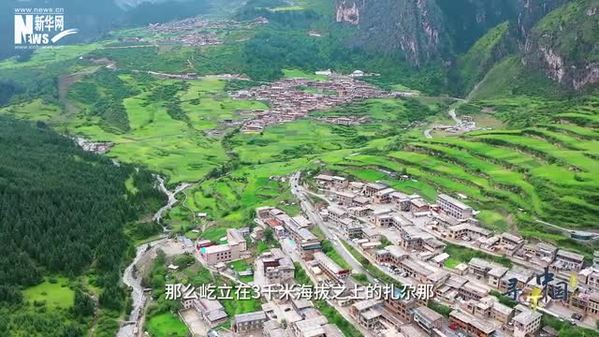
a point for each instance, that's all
(564, 43)
(412, 28)
(422, 30)
(348, 12)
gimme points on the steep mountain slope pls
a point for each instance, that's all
(422, 30)
(565, 44)
(488, 50)
(62, 213)
(556, 37)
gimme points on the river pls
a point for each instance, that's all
(172, 200)
(144, 254)
(132, 280)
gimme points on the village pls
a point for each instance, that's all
(292, 99)
(194, 31)
(405, 238)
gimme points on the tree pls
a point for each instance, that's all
(84, 305)
(269, 235)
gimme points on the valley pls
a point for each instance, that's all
(222, 112)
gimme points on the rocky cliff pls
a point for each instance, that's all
(558, 37)
(410, 27)
(422, 30)
(565, 44)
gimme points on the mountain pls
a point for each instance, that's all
(564, 44)
(468, 37)
(95, 19)
(422, 30)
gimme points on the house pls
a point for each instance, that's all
(587, 302)
(371, 189)
(336, 214)
(490, 307)
(419, 206)
(391, 254)
(468, 232)
(412, 330)
(271, 328)
(383, 196)
(454, 207)
(567, 261)
(274, 267)
(371, 234)
(521, 275)
(314, 327)
(401, 308)
(350, 228)
(545, 251)
(211, 311)
(474, 291)
(470, 324)
(340, 182)
(427, 319)
(252, 321)
(449, 289)
(445, 221)
(590, 277)
(330, 268)
(400, 201)
(487, 270)
(343, 198)
(526, 322)
(302, 221)
(511, 243)
(324, 180)
(440, 259)
(367, 313)
(219, 253)
(236, 242)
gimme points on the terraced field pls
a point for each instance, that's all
(514, 177)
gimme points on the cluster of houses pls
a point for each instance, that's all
(95, 147)
(194, 39)
(296, 317)
(414, 233)
(297, 229)
(463, 124)
(345, 120)
(197, 31)
(290, 318)
(291, 99)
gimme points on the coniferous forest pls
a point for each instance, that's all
(62, 213)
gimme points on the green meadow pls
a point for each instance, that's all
(166, 325)
(55, 292)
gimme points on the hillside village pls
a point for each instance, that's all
(410, 243)
(292, 99)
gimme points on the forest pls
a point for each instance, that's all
(62, 212)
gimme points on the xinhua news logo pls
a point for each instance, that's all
(40, 27)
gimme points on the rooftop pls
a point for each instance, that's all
(570, 255)
(428, 313)
(454, 201)
(473, 321)
(250, 317)
(215, 249)
(527, 317)
(366, 304)
(326, 262)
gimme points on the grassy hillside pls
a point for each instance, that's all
(509, 78)
(473, 66)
